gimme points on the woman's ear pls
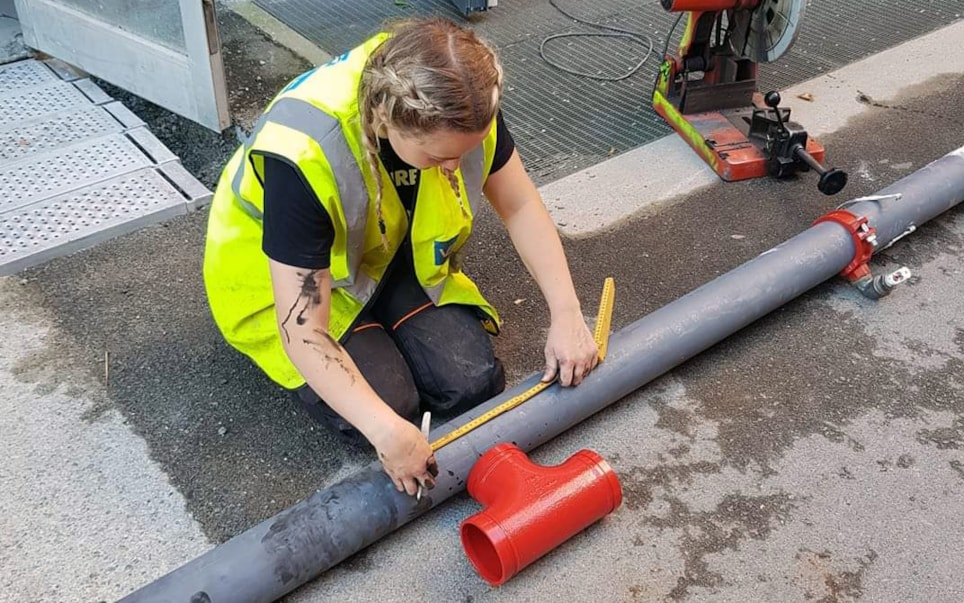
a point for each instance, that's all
(381, 119)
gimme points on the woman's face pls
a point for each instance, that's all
(442, 148)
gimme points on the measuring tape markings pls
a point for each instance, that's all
(601, 336)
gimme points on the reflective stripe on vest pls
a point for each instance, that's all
(326, 132)
(472, 166)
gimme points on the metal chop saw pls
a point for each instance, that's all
(708, 91)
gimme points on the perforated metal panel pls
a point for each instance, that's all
(55, 131)
(80, 219)
(77, 168)
(53, 173)
(27, 104)
(24, 74)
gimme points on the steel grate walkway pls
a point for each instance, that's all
(77, 167)
(563, 123)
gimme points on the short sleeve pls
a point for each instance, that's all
(504, 145)
(297, 229)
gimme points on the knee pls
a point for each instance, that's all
(473, 387)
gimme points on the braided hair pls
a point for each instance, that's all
(429, 75)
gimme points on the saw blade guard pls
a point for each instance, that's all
(766, 32)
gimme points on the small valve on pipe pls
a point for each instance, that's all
(878, 286)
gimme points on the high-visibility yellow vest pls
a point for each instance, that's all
(314, 124)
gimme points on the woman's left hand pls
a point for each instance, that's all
(571, 351)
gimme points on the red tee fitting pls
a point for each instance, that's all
(531, 509)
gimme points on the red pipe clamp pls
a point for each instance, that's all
(864, 237)
(530, 509)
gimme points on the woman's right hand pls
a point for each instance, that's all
(406, 456)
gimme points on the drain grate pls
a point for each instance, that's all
(562, 122)
(77, 168)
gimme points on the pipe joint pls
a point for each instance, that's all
(865, 241)
(530, 509)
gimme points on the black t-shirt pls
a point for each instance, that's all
(298, 230)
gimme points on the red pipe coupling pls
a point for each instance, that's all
(864, 237)
(531, 509)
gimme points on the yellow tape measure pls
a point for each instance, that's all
(604, 318)
(600, 334)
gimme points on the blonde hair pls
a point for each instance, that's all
(429, 75)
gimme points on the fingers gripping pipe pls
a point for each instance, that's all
(530, 509)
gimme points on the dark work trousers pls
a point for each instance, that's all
(416, 356)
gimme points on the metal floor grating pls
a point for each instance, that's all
(77, 167)
(563, 123)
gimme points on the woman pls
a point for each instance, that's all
(331, 256)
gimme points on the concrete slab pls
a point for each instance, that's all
(84, 512)
(657, 173)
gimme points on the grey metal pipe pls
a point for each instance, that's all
(295, 546)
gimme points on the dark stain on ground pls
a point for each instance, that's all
(46, 367)
(835, 586)
(905, 461)
(735, 519)
(946, 438)
(639, 482)
(674, 419)
(959, 339)
(958, 468)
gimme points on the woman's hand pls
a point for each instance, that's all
(406, 456)
(571, 351)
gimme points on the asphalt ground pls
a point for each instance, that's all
(816, 455)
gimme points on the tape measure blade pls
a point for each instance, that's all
(604, 317)
(484, 418)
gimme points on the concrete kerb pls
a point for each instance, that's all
(654, 175)
(279, 32)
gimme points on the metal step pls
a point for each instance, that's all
(77, 168)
